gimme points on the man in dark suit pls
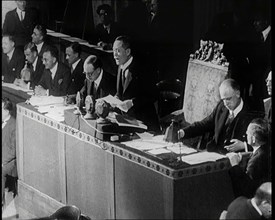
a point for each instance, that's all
(8, 144)
(135, 88)
(73, 52)
(245, 182)
(34, 68)
(98, 83)
(107, 30)
(227, 122)
(56, 77)
(259, 207)
(20, 23)
(39, 37)
(12, 60)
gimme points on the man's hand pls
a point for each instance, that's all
(125, 105)
(181, 134)
(236, 145)
(16, 82)
(234, 158)
(40, 91)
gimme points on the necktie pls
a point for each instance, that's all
(8, 59)
(72, 69)
(95, 90)
(21, 16)
(229, 119)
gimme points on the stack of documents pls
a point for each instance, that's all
(202, 157)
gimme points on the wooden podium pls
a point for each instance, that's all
(202, 89)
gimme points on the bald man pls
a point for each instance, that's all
(227, 122)
(98, 83)
(259, 207)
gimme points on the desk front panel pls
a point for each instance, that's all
(89, 176)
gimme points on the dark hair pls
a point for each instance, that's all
(7, 104)
(53, 50)
(261, 130)
(11, 37)
(92, 59)
(125, 41)
(106, 8)
(31, 46)
(42, 30)
(76, 47)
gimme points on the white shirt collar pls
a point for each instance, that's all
(237, 110)
(39, 46)
(125, 65)
(255, 149)
(75, 64)
(97, 81)
(53, 70)
(5, 121)
(255, 206)
(266, 32)
(18, 11)
(10, 53)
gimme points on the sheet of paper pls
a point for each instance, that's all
(145, 135)
(142, 145)
(158, 151)
(202, 157)
(75, 39)
(45, 100)
(111, 100)
(181, 149)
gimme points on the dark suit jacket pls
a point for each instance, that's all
(22, 31)
(59, 85)
(37, 74)
(12, 70)
(103, 35)
(242, 208)
(140, 87)
(215, 124)
(245, 182)
(105, 87)
(9, 148)
(77, 79)
(44, 46)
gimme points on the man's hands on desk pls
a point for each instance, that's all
(236, 145)
(40, 91)
(21, 83)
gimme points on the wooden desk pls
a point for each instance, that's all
(63, 165)
(15, 96)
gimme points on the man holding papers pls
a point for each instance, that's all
(134, 88)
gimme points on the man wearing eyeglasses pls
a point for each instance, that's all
(107, 30)
(227, 122)
(98, 83)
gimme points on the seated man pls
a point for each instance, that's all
(107, 30)
(13, 59)
(8, 144)
(228, 121)
(39, 36)
(33, 70)
(73, 52)
(98, 83)
(56, 77)
(268, 101)
(245, 182)
(259, 207)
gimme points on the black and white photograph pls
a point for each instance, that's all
(136, 109)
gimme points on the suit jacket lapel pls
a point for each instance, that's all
(127, 80)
